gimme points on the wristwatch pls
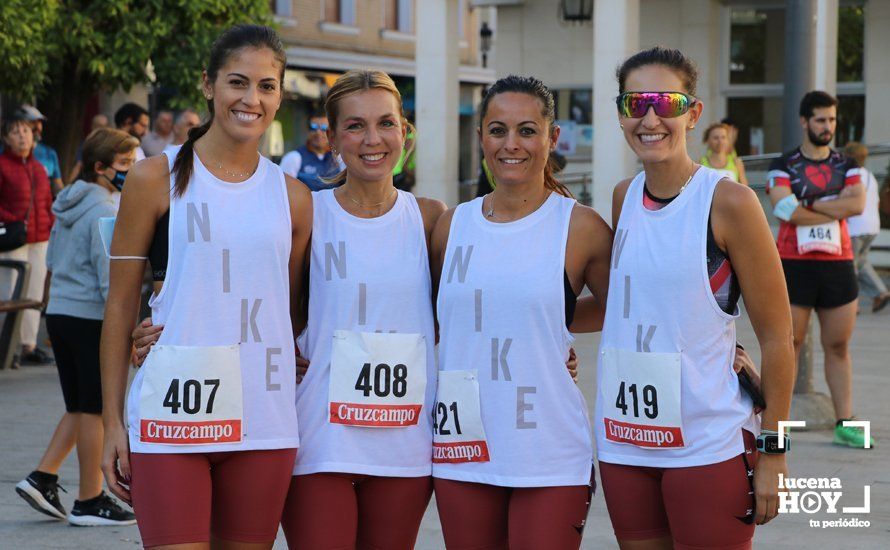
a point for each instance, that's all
(768, 443)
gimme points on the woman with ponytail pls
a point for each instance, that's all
(512, 449)
(208, 442)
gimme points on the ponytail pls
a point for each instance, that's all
(553, 184)
(185, 158)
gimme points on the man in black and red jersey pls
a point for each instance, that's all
(813, 189)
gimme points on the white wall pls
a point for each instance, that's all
(877, 71)
(532, 41)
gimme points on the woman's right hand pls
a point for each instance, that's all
(302, 366)
(144, 337)
(116, 462)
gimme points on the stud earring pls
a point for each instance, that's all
(622, 125)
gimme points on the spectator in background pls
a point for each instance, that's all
(719, 154)
(185, 121)
(733, 130)
(78, 270)
(25, 195)
(133, 119)
(863, 230)
(314, 160)
(98, 121)
(45, 154)
(161, 134)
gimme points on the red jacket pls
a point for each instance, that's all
(17, 177)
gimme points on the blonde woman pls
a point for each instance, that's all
(720, 155)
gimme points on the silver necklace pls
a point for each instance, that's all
(490, 213)
(381, 203)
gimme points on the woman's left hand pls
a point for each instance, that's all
(572, 365)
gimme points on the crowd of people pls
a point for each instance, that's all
(325, 350)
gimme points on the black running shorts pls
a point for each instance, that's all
(76, 349)
(820, 284)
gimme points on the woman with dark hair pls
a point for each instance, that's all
(675, 432)
(210, 436)
(512, 449)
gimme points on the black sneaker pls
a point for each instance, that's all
(37, 357)
(100, 510)
(41, 491)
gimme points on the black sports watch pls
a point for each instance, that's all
(768, 443)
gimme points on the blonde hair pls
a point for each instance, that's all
(857, 152)
(354, 82)
(101, 146)
(713, 127)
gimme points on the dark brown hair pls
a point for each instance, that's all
(817, 99)
(666, 57)
(529, 85)
(225, 46)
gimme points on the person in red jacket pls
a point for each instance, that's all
(25, 194)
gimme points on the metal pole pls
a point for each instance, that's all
(815, 408)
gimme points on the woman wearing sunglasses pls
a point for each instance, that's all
(675, 433)
(512, 449)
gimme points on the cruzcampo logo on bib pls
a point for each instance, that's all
(378, 380)
(191, 396)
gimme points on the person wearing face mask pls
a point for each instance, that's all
(77, 267)
(813, 190)
(25, 198)
(675, 433)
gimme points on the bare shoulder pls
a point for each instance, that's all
(443, 228)
(147, 185)
(431, 210)
(586, 220)
(732, 200)
(618, 195)
(300, 198)
(296, 190)
(150, 174)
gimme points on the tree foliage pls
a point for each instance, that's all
(61, 52)
(24, 49)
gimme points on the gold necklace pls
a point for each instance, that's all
(381, 203)
(237, 175)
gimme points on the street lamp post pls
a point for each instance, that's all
(485, 34)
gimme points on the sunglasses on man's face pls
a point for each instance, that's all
(666, 104)
(314, 126)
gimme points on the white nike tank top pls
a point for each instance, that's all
(366, 275)
(660, 302)
(501, 310)
(227, 283)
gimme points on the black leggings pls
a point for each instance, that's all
(76, 347)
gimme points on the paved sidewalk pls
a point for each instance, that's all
(31, 404)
